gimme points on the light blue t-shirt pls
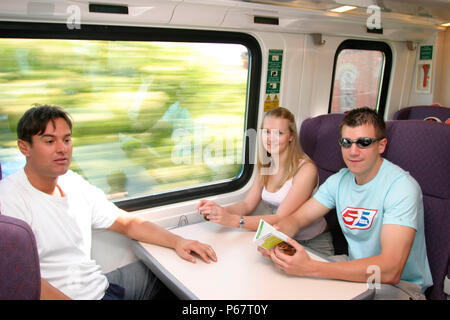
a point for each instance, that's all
(392, 197)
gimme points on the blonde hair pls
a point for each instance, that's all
(295, 151)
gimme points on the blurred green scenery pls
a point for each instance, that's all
(149, 117)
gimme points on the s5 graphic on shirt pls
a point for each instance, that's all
(358, 218)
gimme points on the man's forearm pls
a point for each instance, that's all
(49, 292)
(289, 225)
(358, 270)
(309, 212)
(149, 232)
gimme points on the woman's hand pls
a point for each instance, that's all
(217, 214)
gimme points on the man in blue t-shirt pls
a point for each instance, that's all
(380, 212)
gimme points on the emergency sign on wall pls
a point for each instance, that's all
(424, 69)
(273, 79)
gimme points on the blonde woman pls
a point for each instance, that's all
(286, 178)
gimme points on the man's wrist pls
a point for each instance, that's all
(175, 241)
(315, 268)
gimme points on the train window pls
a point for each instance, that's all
(360, 76)
(157, 118)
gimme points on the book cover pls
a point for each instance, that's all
(267, 236)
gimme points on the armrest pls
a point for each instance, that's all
(447, 287)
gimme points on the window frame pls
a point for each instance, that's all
(386, 74)
(44, 30)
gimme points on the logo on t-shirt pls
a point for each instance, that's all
(358, 218)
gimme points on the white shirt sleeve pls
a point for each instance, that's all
(104, 212)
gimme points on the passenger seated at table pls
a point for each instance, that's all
(380, 212)
(286, 178)
(62, 208)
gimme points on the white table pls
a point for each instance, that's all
(241, 272)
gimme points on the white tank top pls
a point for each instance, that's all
(274, 200)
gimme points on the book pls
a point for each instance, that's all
(267, 236)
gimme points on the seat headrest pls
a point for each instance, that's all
(422, 113)
(319, 138)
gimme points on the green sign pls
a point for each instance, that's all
(426, 52)
(274, 71)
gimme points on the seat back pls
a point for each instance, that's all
(423, 149)
(422, 113)
(419, 147)
(20, 277)
(319, 139)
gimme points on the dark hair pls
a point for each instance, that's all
(35, 120)
(360, 116)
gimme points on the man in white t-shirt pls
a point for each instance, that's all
(62, 208)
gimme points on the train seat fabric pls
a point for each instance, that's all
(422, 113)
(423, 149)
(20, 277)
(417, 146)
(319, 139)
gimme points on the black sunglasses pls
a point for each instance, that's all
(363, 143)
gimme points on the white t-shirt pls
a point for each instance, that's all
(63, 229)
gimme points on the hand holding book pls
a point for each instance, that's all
(267, 237)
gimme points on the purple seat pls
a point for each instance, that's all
(319, 139)
(20, 277)
(422, 112)
(419, 147)
(423, 149)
